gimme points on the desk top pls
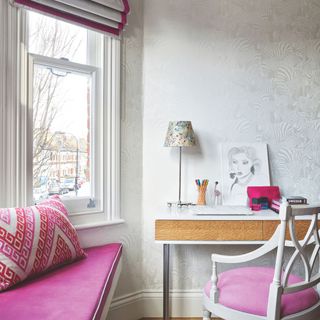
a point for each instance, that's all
(190, 213)
(223, 213)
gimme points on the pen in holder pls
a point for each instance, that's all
(202, 189)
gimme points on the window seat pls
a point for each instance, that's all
(82, 290)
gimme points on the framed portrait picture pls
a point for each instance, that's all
(243, 165)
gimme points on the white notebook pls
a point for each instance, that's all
(221, 210)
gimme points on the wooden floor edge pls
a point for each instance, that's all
(179, 319)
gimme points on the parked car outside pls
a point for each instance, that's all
(68, 183)
(53, 187)
(63, 190)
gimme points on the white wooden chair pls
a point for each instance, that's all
(258, 293)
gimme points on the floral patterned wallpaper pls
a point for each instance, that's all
(240, 70)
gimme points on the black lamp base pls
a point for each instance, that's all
(180, 204)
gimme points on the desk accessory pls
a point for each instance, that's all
(290, 200)
(296, 200)
(275, 207)
(293, 200)
(268, 192)
(180, 134)
(261, 203)
(202, 189)
(217, 197)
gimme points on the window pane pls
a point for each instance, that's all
(57, 39)
(61, 133)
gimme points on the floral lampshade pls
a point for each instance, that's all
(180, 134)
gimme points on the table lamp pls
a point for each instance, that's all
(180, 134)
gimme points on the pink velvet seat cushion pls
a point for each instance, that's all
(247, 289)
(76, 291)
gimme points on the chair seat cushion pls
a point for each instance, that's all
(247, 289)
(75, 291)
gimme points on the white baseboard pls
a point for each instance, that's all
(148, 303)
(127, 307)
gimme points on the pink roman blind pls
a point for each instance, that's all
(108, 16)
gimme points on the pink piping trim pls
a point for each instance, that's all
(71, 17)
(126, 6)
(107, 285)
(123, 18)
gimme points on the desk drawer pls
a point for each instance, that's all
(270, 226)
(219, 230)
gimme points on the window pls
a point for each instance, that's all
(57, 98)
(73, 99)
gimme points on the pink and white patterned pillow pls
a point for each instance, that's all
(35, 239)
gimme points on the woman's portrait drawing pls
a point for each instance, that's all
(243, 165)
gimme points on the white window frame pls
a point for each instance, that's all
(77, 204)
(109, 136)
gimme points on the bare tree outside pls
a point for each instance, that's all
(48, 38)
(63, 92)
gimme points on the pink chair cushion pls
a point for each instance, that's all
(247, 289)
(76, 291)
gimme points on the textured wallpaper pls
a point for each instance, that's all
(129, 233)
(131, 153)
(240, 70)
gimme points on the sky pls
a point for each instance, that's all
(72, 117)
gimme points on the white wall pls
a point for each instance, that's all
(240, 70)
(129, 233)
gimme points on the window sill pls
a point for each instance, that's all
(98, 224)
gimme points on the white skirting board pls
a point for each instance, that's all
(148, 303)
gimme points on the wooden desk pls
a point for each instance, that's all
(182, 226)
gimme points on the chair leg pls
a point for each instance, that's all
(206, 315)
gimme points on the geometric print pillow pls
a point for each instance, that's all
(35, 239)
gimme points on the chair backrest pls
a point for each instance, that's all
(280, 285)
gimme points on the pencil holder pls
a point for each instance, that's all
(202, 195)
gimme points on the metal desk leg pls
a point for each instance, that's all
(166, 283)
